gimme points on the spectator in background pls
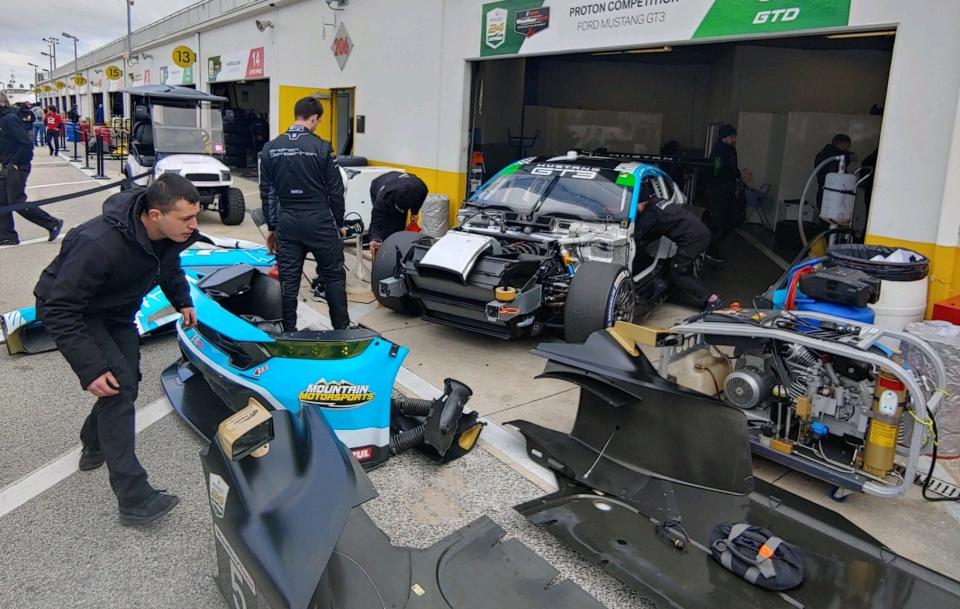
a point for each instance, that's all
(39, 131)
(53, 123)
(98, 115)
(74, 114)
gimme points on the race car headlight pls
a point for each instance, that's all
(301, 349)
(224, 176)
(169, 171)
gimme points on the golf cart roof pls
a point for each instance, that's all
(173, 93)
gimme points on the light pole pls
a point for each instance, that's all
(50, 59)
(36, 81)
(53, 41)
(75, 40)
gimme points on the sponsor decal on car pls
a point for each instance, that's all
(336, 394)
(260, 370)
(363, 454)
(565, 171)
(219, 489)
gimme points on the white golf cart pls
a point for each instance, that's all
(180, 130)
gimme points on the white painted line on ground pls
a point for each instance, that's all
(63, 232)
(60, 184)
(61, 163)
(766, 251)
(44, 478)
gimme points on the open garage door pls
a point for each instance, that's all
(246, 119)
(787, 97)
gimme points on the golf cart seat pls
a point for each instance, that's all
(141, 139)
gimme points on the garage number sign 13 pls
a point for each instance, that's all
(184, 56)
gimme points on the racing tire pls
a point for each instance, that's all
(232, 207)
(600, 294)
(383, 266)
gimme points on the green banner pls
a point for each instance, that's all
(500, 35)
(736, 17)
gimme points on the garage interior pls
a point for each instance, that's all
(246, 119)
(787, 97)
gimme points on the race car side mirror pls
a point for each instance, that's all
(247, 432)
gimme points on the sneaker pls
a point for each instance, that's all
(9, 242)
(715, 257)
(90, 459)
(152, 508)
(713, 303)
(55, 231)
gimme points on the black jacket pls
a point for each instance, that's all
(298, 168)
(105, 267)
(828, 151)
(676, 222)
(726, 171)
(393, 195)
(16, 147)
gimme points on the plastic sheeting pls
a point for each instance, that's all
(944, 337)
(434, 216)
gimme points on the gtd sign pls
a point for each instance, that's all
(778, 15)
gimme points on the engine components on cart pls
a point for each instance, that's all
(820, 394)
(650, 469)
(841, 285)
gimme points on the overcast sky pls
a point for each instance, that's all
(95, 22)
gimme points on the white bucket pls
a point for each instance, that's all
(900, 303)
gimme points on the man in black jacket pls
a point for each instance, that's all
(658, 217)
(393, 195)
(726, 208)
(302, 196)
(87, 299)
(16, 153)
(838, 146)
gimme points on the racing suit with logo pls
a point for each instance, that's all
(660, 217)
(302, 196)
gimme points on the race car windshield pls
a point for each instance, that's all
(188, 130)
(587, 194)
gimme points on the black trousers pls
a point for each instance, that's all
(110, 427)
(303, 230)
(726, 211)
(53, 141)
(13, 190)
(690, 289)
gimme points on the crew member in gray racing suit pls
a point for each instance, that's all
(302, 196)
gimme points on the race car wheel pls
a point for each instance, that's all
(600, 294)
(383, 267)
(232, 207)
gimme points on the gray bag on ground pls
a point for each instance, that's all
(757, 555)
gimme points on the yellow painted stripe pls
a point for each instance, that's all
(944, 266)
(450, 183)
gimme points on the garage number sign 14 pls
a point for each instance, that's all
(184, 56)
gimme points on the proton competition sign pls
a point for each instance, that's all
(513, 27)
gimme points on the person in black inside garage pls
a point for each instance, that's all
(302, 196)
(16, 154)
(658, 217)
(393, 195)
(87, 299)
(726, 208)
(838, 146)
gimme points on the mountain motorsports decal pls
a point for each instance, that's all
(336, 394)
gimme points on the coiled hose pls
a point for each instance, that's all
(411, 407)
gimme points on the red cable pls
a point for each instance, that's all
(790, 302)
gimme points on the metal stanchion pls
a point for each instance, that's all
(100, 162)
(62, 136)
(86, 153)
(76, 157)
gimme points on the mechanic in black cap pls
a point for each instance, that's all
(393, 195)
(658, 217)
(302, 196)
(726, 206)
(87, 299)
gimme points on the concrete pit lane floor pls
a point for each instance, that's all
(63, 544)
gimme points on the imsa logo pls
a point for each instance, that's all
(336, 394)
